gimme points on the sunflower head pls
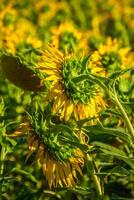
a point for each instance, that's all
(12, 35)
(82, 91)
(53, 134)
(68, 39)
(110, 57)
(21, 72)
(52, 143)
(69, 92)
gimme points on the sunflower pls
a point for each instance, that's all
(48, 12)
(7, 15)
(83, 99)
(59, 160)
(13, 37)
(68, 39)
(57, 173)
(30, 79)
(110, 57)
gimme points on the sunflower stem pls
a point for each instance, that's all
(125, 116)
(95, 178)
(116, 100)
(2, 156)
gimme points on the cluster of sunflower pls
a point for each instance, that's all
(53, 52)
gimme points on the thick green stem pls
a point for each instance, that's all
(2, 157)
(113, 96)
(124, 114)
(95, 178)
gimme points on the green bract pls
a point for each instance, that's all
(53, 134)
(82, 91)
(68, 41)
(111, 61)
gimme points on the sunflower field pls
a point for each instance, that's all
(66, 100)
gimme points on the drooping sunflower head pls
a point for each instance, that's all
(20, 70)
(52, 134)
(48, 141)
(81, 98)
(110, 57)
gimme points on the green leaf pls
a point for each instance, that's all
(26, 174)
(110, 148)
(2, 106)
(119, 171)
(81, 122)
(78, 189)
(76, 144)
(85, 61)
(12, 141)
(112, 111)
(119, 73)
(116, 197)
(81, 190)
(67, 130)
(100, 130)
(113, 151)
(63, 127)
(124, 85)
(3, 118)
